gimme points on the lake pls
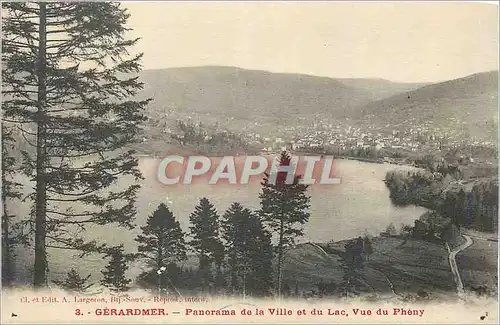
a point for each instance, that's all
(339, 211)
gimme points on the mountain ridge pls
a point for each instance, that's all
(237, 97)
(248, 93)
(471, 101)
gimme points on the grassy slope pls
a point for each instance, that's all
(414, 266)
(478, 264)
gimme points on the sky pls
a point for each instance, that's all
(398, 41)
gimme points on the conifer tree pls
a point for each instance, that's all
(296, 291)
(10, 190)
(261, 257)
(249, 252)
(236, 236)
(367, 246)
(67, 80)
(352, 262)
(391, 229)
(219, 278)
(287, 291)
(161, 244)
(284, 210)
(205, 240)
(74, 282)
(114, 275)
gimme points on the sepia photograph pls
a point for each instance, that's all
(249, 162)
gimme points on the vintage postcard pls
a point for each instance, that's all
(249, 162)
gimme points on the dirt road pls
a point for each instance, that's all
(453, 264)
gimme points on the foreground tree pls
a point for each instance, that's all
(284, 210)
(367, 247)
(391, 230)
(249, 257)
(9, 192)
(115, 271)
(205, 240)
(74, 282)
(66, 84)
(260, 252)
(235, 235)
(483, 206)
(352, 261)
(162, 245)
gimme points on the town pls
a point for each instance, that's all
(340, 137)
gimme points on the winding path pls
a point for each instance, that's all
(320, 248)
(452, 260)
(453, 263)
(375, 269)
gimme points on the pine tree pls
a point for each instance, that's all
(205, 240)
(114, 275)
(287, 291)
(460, 208)
(235, 235)
(189, 278)
(353, 264)
(296, 291)
(260, 250)
(67, 80)
(74, 282)
(367, 246)
(284, 209)
(9, 192)
(162, 244)
(249, 257)
(391, 230)
(162, 240)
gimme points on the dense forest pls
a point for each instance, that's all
(470, 204)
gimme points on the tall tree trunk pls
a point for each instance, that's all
(203, 272)
(280, 256)
(7, 253)
(244, 281)
(41, 199)
(234, 272)
(159, 262)
(159, 257)
(7, 259)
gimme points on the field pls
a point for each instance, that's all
(416, 265)
(392, 268)
(478, 265)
